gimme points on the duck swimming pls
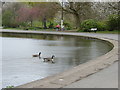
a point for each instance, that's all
(49, 59)
(37, 55)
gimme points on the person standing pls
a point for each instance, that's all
(57, 27)
(62, 28)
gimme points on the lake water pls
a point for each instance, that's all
(19, 67)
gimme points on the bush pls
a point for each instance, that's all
(9, 86)
(7, 18)
(51, 26)
(102, 26)
(113, 22)
(67, 26)
(88, 24)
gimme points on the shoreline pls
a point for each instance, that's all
(77, 73)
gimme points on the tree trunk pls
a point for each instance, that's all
(44, 23)
(77, 18)
(31, 23)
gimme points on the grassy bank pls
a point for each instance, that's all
(110, 32)
(104, 32)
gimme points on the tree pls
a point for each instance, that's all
(104, 9)
(6, 19)
(88, 24)
(80, 10)
(27, 14)
(44, 11)
(48, 11)
(90, 10)
(9, 14)
(113, 22)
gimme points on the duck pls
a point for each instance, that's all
(37, 55)
(49, 59)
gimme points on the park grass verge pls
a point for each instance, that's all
(103, 32)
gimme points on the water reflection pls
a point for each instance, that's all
(20, 67)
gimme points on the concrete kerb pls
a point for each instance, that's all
(79, 72)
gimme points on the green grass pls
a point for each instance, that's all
(13, 28)
(31, 29)
(109, 32)
(104, 32)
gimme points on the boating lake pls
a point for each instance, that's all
(19, 67)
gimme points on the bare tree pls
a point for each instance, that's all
(104, 9)
(80, 10)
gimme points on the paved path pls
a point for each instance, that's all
(110, 36)
(107, 78)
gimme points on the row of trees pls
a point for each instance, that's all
(49, 13)
(23, 14)
(100, 11)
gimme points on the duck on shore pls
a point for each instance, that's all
(37, 55)
(49, 59)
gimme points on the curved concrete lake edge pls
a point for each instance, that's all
(79, 72)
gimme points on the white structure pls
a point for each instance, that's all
(93, 29)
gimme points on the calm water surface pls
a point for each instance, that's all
(19, 67)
